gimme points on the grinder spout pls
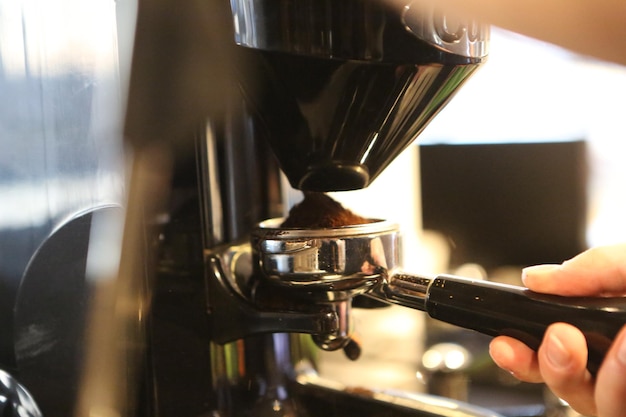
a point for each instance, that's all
(339, 103)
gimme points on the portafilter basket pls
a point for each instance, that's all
(327, 266)
(348, 258)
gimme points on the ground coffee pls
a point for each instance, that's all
(319, 211)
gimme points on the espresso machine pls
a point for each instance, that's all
(180, 292)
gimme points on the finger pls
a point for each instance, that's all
(562, 362)
(611, 385)
(597, 271)
(515, 357)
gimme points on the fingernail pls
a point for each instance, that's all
(504, 356)
(501, 353)
(556, 352)
(538, 270)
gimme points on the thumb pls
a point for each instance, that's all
(598, 271)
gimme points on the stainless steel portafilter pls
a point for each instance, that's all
(328, 266)
(335, 264)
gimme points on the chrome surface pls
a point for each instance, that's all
(306, 28)
(407, 290)
(238, 310)
(462, 37)
(330, 267)
(358, 259)
(234, 311)
(347, 258)
(15, 400)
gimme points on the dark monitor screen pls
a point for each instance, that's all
(507, 204)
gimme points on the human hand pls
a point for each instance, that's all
(560, 361)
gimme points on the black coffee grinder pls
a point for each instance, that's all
(326, 93)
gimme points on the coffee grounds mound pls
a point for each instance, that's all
(319, 211)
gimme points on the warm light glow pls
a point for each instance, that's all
(432, 359)
(455, 359)
(445, 357)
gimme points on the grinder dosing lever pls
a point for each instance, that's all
(333, 258)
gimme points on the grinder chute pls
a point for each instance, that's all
(342, 87)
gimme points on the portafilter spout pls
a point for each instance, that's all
(335, 264)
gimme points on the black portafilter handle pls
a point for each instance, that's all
(497, 309)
